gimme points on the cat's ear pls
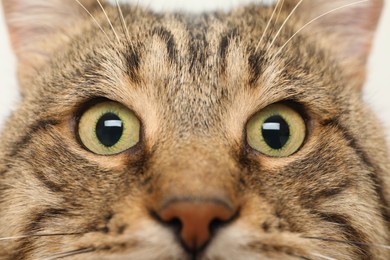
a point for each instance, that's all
(346, 28)
(37, 28)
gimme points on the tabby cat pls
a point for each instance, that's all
(222, 135)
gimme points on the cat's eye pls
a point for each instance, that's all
(276, 131)
(109, 128)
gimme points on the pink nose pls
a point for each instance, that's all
(196, 219)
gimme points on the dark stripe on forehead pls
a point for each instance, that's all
(256, 63)
(26, 138)
(198, 45)
(133, 60)
(167, 37)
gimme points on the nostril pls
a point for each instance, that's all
(215, 225)
(175, 225)
(195, 222)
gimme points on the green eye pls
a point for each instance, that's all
(276, 131)
(109, 128)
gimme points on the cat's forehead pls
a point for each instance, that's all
(236, 51)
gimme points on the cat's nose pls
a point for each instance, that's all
(196, 221)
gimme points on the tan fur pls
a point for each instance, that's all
(194, 81)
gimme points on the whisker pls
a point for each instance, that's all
(280, 10)
(323, 256)
(284, 23)
(93, 18)
(387, 247)
(40, 235)
(70, 253)
(317, 18)
(124, 26)
(277, 17)
(301, 257)
(137, 5)
(268, 24)
(108, 19)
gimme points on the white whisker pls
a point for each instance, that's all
(126, 29)
(323, 256)
(70, 253)
(381, 246)
(108, 19)
(280, 10)
(93, 18)
(387, 247)
(38, 235)
(317, 18)
(13, 238)
(268, 24)
(284, 23)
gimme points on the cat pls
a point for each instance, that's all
(222, 135)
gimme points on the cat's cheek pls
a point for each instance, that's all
(241, 242)
(246, 238)
(132, 234)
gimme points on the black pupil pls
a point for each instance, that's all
(275, 132)
(109, 129)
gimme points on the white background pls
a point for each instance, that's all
(377, 91)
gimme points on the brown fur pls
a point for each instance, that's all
(194, 81)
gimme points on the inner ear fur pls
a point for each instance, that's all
(347, 32)
(37, 28)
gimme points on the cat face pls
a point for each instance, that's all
(178, 136)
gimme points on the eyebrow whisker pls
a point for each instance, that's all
(108, 19)
(315, 19)
(124, 25)
(93, 18)
(284, 23)
(269, 23)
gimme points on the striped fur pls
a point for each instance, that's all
(194, 80)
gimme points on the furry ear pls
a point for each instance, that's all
(38, 27)
(346, 28)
